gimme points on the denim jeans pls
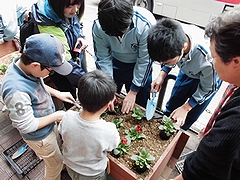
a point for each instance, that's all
(123, 75)
(183, 89)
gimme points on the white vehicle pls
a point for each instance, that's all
(198, 12)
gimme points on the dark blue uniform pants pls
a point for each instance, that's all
(183, 89)
(123, 75)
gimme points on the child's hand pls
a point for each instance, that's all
(129, 102)
(66, 96)
(201, 133)
(59, 115)
(82, 43)
(180, 114)
(111, 106)
(157, 83)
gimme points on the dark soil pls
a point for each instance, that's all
(152, 143)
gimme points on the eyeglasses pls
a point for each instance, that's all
(51, 72)
(164, 64)
(167, 64)
(175, 60)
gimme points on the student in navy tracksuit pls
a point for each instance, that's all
(171, 44)
(120, 45)
(218, 154)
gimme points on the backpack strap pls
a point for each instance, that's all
(27, 29)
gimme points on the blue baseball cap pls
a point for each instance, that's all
(48, 51)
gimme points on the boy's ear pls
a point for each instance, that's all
(185, 46)
(109, 103)
(35, 64)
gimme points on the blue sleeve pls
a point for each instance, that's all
(103, 58)
(166, 69)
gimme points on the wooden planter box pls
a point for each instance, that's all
(8, 47)
(161, 169)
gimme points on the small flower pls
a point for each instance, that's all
(117, 107)
(143, 158)
(123, 146)
(168, 126)
(139, 128)
(115, 102)
(124, 140)
(135, 133)
(118, 122)
(138, 114)
(104, 115)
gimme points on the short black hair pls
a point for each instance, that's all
(95, 90)
(26, 61)
(115, 16)
(165, 40)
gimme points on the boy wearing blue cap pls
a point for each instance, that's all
(29, 101)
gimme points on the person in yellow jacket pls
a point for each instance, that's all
(62, 19)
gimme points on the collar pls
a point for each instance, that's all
(46, 10)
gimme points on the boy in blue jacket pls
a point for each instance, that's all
(218, 154)
(171, 43)
(29, 100)
(120, 45)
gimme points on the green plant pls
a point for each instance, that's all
(123, 146)
(3, 68)
(168, 126)
(135, 133)
(116, 111)
(143, 159)
(118, 122)
(103, 115)
(117, 107)
(137, 113)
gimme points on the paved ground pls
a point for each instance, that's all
(9, 135)
(90, 15)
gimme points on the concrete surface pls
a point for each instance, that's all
(89, 16)
(9, 135)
